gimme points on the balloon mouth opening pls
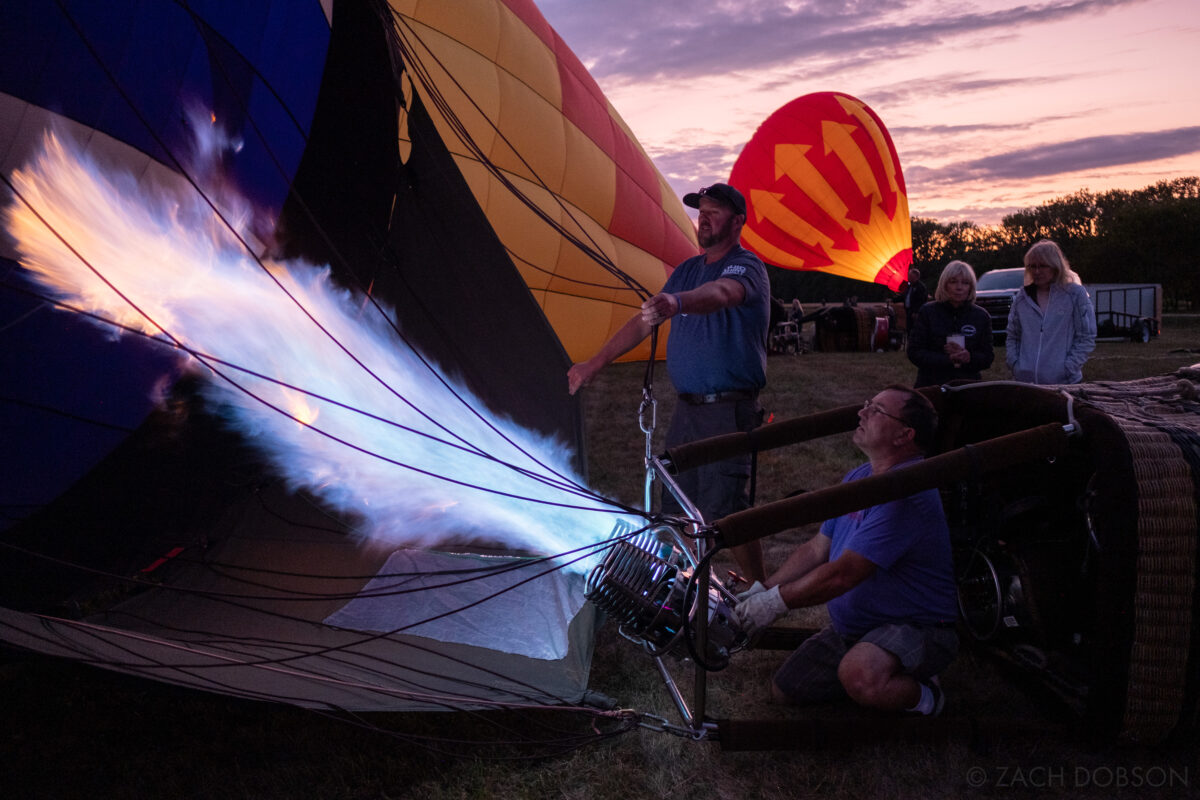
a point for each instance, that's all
(895, 271)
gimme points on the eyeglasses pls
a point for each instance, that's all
(1038, 266)
(871, 407)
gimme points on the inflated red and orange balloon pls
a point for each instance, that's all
(825, 191)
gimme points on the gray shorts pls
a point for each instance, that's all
(810, 674)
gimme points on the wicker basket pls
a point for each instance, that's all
(1160, 421)
(1127, 495)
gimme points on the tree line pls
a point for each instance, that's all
(1149, 235)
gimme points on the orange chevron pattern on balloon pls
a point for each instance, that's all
(825, 192)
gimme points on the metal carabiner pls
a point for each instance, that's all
(648, 402)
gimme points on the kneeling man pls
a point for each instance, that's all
(887, 576)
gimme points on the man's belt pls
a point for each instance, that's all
(716, 397)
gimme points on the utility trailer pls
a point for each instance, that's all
(1127, 310)
(1130, 311)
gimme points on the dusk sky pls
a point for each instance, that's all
(993, 106)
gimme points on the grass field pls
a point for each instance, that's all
(75, 732)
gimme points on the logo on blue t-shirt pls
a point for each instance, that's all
(734, 269)
(968, 330)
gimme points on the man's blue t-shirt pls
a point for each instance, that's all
(908, 541)
(725, 350)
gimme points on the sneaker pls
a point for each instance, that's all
(939, 697)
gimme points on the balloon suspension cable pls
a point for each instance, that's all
(289, 662)
(548, 475)
(405, 38)
(648, 420)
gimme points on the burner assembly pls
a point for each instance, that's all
(651, 584)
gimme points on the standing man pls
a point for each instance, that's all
(914, 295)
(716, 353)
(886, 574)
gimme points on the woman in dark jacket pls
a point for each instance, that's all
(952, 337)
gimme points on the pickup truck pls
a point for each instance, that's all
(1130, 311)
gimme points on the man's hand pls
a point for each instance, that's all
(756, 613)
(660, 308)
(754, 589)
(580, 375)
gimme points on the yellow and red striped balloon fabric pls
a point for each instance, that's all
(520, 112)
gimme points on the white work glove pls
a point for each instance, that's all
(756, 613)
(754, 589)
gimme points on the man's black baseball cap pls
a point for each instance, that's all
(718, 191)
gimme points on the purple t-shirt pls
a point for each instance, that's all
(725, 350)
(908, 541)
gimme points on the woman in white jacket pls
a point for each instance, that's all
(1051, 325)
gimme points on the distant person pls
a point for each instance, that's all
(952, 337)
(779, 313)
(716, 354)
(886, 574)
(1051, 325)
(913, 295)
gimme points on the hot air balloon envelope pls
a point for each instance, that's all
(825, 191)
(166, 548)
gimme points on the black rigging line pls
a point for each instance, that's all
(246, 248)
(430, 696)
(245, 245)
(568, 487)
(97, 423)
(589, 248)
(225, 650)
(175, 342)
(399, 71)
(323, 651)
(227, 656)
(292, 595)
(384, 16)
(195, 672)
(330, 649)
(326, 597)
(470, 575)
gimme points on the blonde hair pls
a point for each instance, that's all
(1049, 253)
(955, 269)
